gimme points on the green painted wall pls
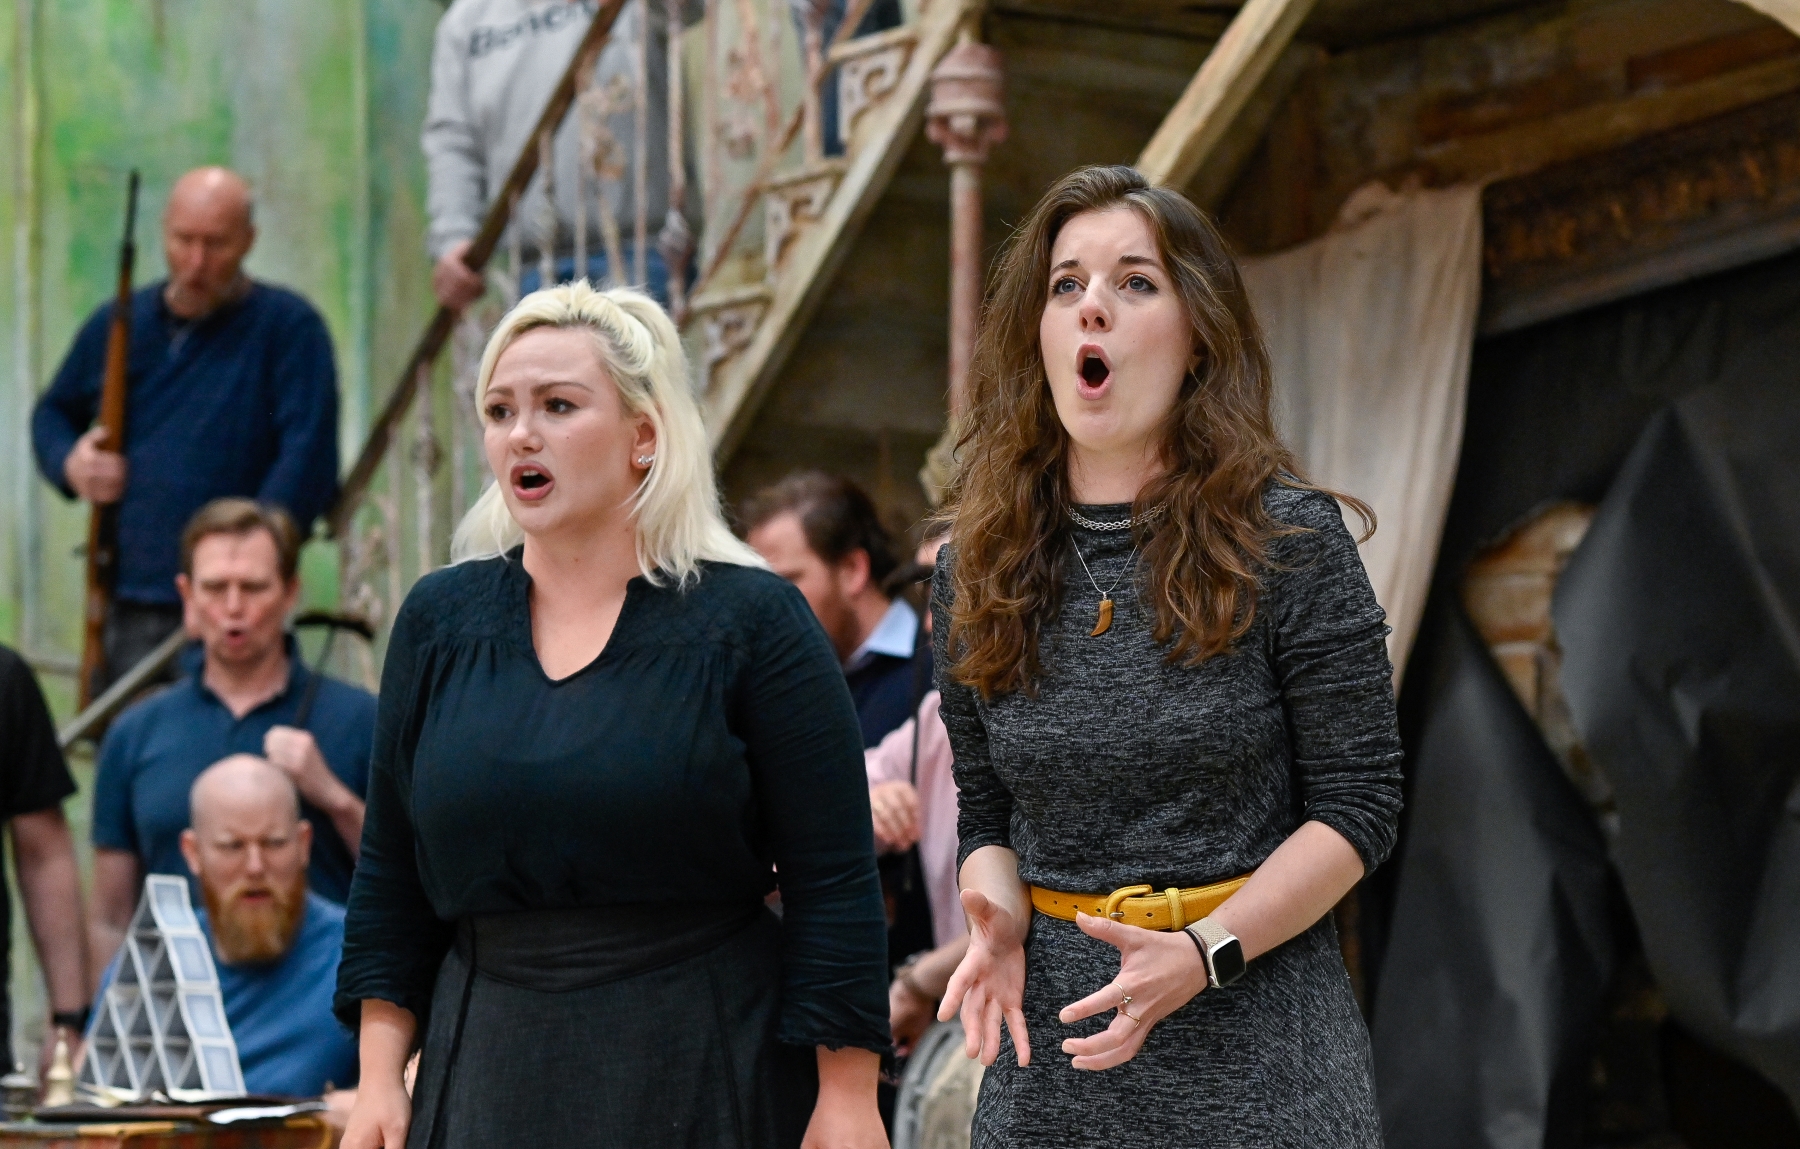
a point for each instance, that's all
(318, 104)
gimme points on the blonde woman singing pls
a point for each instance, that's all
(601, 734)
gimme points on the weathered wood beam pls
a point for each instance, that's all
(1200, 120)
(1154, 86)
(1786, 11)
(1670, 207)
(818, 251)
(1597, 128)
(1234, 149)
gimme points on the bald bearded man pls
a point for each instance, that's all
(232, 392)
(275, 944)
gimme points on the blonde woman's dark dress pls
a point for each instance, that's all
(565, 880)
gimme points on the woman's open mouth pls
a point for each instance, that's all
(1092, 371)
(531, 482)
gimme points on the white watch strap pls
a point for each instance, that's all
(1211, 934)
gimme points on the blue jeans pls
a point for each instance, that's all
(656, 273)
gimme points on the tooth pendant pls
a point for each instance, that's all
(1104, 621)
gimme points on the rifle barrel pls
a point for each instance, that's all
(103, 521)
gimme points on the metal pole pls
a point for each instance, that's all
(966, 117)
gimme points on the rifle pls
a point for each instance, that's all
(103, 522)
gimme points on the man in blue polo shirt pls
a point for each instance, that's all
(231, 391)
(275, 944)
(238, 584)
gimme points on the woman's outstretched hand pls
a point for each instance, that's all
(1158, 972)
(989, 984)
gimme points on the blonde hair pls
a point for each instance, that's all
(676, 508)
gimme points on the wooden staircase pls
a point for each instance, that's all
(761, 290)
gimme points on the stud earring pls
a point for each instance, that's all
(645, 460)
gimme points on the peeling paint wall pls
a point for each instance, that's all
(318, 104)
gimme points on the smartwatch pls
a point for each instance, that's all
(1222, 952)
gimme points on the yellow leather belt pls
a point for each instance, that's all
(1172, 909)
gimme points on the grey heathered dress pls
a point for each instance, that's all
(1125, 770)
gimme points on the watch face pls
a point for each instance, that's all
(1228, 962)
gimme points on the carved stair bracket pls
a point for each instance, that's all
(728, 323)
(869, 68)
(792, 202)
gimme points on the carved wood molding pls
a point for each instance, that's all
(1664, 208)
(812, 254)
(727, 324)
(1587, 131)
(869, 69)
(792, 202)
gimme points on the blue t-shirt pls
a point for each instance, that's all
(287, 1039)
(153, 753)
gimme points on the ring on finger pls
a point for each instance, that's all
(1135, 1020)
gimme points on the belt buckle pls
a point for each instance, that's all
(1114, 899)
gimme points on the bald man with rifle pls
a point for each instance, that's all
(231, 390)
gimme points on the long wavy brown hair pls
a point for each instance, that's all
(1203, 559)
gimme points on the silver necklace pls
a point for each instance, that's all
(1104, 619)
(1082, 520)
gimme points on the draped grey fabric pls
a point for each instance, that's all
(1485, 939)
(1680, 623)
(1501, 944)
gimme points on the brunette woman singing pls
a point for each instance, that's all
(1165, 683)
(601, 734)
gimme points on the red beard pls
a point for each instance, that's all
(254, 930)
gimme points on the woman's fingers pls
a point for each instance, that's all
(954, 991)
(1119, 1054)
(1107, 1040)
(1111, 994)
(1015, 1025)
(990, 1032)
(1108, 996)
(1115, 934)
(978, 908)
(971, 1024)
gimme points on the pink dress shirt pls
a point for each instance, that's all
(891, 761)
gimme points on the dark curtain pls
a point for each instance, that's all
(1679, 619)
(1487, 939)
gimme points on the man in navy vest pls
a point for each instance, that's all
(232, 392)
(821, 533)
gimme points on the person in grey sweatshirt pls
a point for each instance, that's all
(493, 68)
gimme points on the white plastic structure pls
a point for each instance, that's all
(161, 1027)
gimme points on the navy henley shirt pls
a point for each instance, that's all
(242, 402)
